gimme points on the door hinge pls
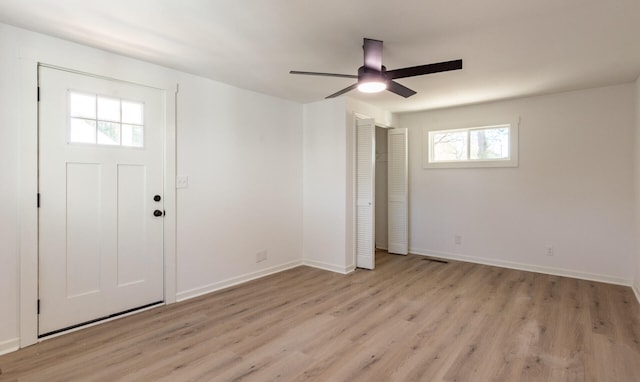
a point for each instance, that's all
(38, 93)
(38, 200)
(38, 306)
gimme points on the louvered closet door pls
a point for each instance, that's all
(365, 186)
(398, 207)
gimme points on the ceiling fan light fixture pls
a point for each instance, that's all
(373, 77)
(374, 86)
(371, 81)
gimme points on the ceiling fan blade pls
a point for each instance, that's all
(424, 69)
(341, 92)
(372, 54)
(400, 90)
(323, 74)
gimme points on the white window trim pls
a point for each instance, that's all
(513, 148)
(98, 120)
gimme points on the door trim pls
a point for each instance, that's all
(28, 252)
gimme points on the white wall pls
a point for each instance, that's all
(325, 184)
(9, 189)
(573, 188)
(382, 117)
(242, 152)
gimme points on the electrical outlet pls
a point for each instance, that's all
(457, 239)
(261, 256)
(549, 250)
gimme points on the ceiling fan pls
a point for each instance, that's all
(374, 77)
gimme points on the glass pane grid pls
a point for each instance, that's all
(106, 121)
(473, 144)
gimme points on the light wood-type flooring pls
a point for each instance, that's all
(409, 320)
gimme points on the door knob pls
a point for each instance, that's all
(157, 213)
(157, 198)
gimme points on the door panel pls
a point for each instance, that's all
(398, 207)
(132, 213)
(83, 226)
(365, 197)
(100, 246)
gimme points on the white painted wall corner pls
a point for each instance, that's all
(329, 267)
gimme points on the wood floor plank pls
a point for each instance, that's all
(410, 319)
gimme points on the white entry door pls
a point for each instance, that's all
(397, 191)
(365, 196)
(100, 194)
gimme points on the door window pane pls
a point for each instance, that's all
(132, 135)
(82, 131)
(132, 112)
(82, 105)
(108, 109)
(108, 133)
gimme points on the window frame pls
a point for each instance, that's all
(427, 148)
(97, 121)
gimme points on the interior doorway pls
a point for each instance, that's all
(391, 190)
(382, 201)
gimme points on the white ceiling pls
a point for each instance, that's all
(510, 48)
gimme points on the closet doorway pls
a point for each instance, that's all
(381, 191)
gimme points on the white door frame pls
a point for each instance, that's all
(357, 116)
(28, 253)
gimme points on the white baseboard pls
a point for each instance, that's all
(181, 296)
(525, 267)
(636, 290)
(329, 267)
(9, 346)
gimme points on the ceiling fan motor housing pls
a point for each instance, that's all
(371, 75)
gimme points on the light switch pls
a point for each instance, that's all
(182, 181)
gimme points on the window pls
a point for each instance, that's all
(485, 146)
(103, 120)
